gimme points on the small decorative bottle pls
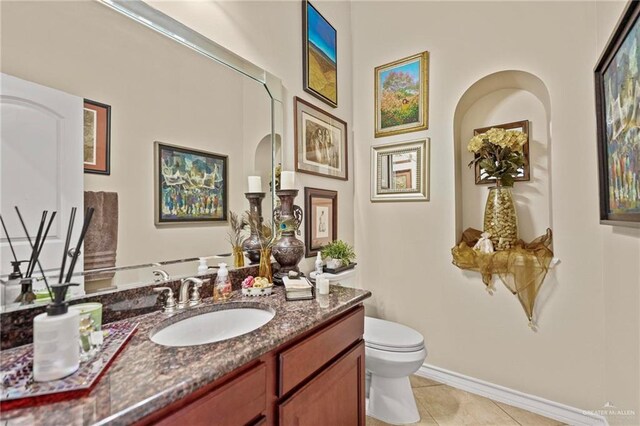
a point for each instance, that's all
(318, 264)
(222, 284)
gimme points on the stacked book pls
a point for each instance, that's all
(297, 288)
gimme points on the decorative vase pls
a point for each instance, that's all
(238, 257)
(252, 244)
(264, 269)
(334, 263)
(500, 218)
(287, 249)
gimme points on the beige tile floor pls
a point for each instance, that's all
(443, 405)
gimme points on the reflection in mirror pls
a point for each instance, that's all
(400, 171)
(56, 55)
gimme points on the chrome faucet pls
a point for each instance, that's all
(160, 275)
(184, 300)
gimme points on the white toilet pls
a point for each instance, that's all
(392, 353)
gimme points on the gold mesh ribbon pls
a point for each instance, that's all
(522, 269)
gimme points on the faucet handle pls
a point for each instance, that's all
(195, 293)
(170, 303)
(160, 275)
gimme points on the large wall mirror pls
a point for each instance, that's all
(163, 85)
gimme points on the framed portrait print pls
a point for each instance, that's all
(617, 84)
(402, 96)
(97, 137)
(399, 171)
(190, 185)
(524, 172)
(320, 142)
(319, 55)
(321, 215)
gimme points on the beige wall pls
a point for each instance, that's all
(269, 34)
(586, 350)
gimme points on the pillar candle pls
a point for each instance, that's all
(255, 184)
(287, 180)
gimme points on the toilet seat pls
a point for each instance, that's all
(390, 336)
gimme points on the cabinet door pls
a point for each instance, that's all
(335, 397)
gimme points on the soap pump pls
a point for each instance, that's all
(202, 265)
(222, 284)
(56, 337)
(319, 264)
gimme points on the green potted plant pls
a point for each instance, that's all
(338, 253)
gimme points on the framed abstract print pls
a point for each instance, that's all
(402, 96)
(320, 55)
(190, 185)
(321, 216)
(399, 171)
(320, 142)
(97, 137)
(617, 83)
(524, 172)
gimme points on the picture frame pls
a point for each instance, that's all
(97, 137)
(400, 170)
(321, 219)
(402, 96)
(319, 55)
(321, 144)
(524, 175)
(190, 185)
(617, 90)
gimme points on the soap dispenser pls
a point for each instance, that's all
(318, 264)
(222, 284)
(202, 265)
(56, 338)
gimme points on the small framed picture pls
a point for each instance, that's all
(191, 185)
(320, 142)
(97, 137)
(399, 171)
(524, 173)
(402, 96)
(321, 211)
(319, 55)
(617, 85)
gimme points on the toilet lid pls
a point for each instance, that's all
(391, 336)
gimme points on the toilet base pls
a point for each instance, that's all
(391, 400)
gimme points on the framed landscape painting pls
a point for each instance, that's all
(524, 172)
(320, 55)
(320, 142)
(321, 214)
(97, 137)
(191, 185)
(617, 82)
(401, 96)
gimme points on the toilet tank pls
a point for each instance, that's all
(345, 279)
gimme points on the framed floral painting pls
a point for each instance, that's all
(617, 84)
(401, 96)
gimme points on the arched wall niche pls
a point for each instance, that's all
(262, 158)
(498, 98)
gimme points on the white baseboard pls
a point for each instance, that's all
(541, 406)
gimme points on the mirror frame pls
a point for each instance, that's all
(421, 193)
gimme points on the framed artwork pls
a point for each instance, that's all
(320, 55)
(399, 171)
(97, 137)
(321, 215)
(320, 142)
(617, 84)
(190, 185)
(524, 172)
(402, 96)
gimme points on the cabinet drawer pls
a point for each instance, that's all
(302, 360)
(237, 402)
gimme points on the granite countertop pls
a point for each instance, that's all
(146, 376)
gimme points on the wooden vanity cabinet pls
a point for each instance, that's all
(314, 379)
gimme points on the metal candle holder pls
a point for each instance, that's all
(252, 244)
(287, 249)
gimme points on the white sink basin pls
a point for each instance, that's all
(212, 327)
